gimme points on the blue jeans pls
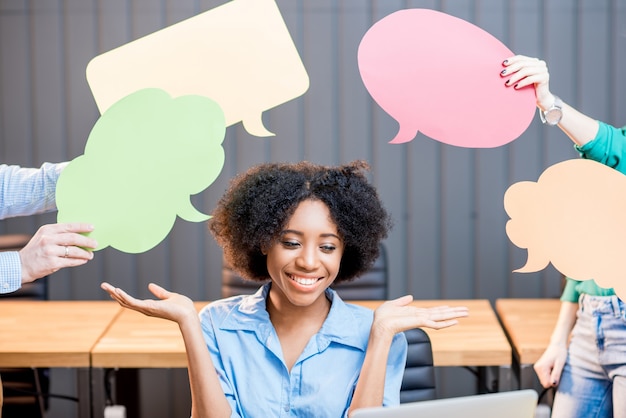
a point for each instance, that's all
(593, 383)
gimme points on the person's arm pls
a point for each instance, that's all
(390, 318)
(10, 272)
(28, 191)
(550, 364)
(54, 247)
(521, 71)
(207, 396)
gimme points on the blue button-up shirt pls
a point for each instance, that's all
(248, 359)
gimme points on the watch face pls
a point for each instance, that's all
(553, 116)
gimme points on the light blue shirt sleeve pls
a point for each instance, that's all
(23, 192)
(28, 191)
(10, 271)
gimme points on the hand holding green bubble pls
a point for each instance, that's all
(144, 158)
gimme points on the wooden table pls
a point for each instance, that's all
(135, 340)
(138, 341)
(54, 334)
(477, 340)
(528, 324)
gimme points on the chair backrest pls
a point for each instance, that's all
(418, 383)
(372, 285)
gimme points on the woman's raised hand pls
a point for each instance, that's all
(172, 306)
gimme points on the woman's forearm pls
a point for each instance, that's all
(370, 389)
(579, 127)
(564, 324)
(207, 396)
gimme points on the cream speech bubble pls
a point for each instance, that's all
(574, 217)
(239, 54)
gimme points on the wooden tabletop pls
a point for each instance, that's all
(52, 333)
(137, 341)
(529, 324)
(477, 340)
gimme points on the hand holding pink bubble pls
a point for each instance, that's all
(440, 75)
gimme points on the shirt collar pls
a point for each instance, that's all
(341, 325)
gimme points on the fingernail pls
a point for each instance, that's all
(505, 62)
(507, 82)
(503, 72)
(515, 86)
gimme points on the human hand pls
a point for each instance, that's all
(550, 365)
(399, 315)
(54, 247)
(171, 306)
(524, 71)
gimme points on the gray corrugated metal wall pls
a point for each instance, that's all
(449, 239)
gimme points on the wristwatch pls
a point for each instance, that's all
(553, 115)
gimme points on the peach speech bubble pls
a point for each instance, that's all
(573, 216)
(239, 54)
(440, 75)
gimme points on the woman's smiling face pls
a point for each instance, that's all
(306, 257)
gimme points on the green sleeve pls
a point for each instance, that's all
(570, 293)
(608, 147)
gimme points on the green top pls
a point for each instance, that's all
(608, 148)
(574, 288)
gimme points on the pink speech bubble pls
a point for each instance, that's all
(573, 216)
(440, 75)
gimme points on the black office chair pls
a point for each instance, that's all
(418, 383)
(24, 389)
(372, 285)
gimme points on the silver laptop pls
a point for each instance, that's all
(513, 404)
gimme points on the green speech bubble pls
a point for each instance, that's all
(144, 158)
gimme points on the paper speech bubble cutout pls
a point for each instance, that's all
(239, 54)
(440, 75)
(144, 157)
(573, 216)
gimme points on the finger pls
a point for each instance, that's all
(555, 376)
(71, 251)
(76, 227)
(441, 324)
(402, 300)
(111, 291)
(159, 291)
(69, 262)
(514, 59)
(544, 374)
(77, 240)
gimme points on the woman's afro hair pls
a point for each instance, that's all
(259, 203)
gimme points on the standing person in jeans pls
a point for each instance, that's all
(586, 357)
